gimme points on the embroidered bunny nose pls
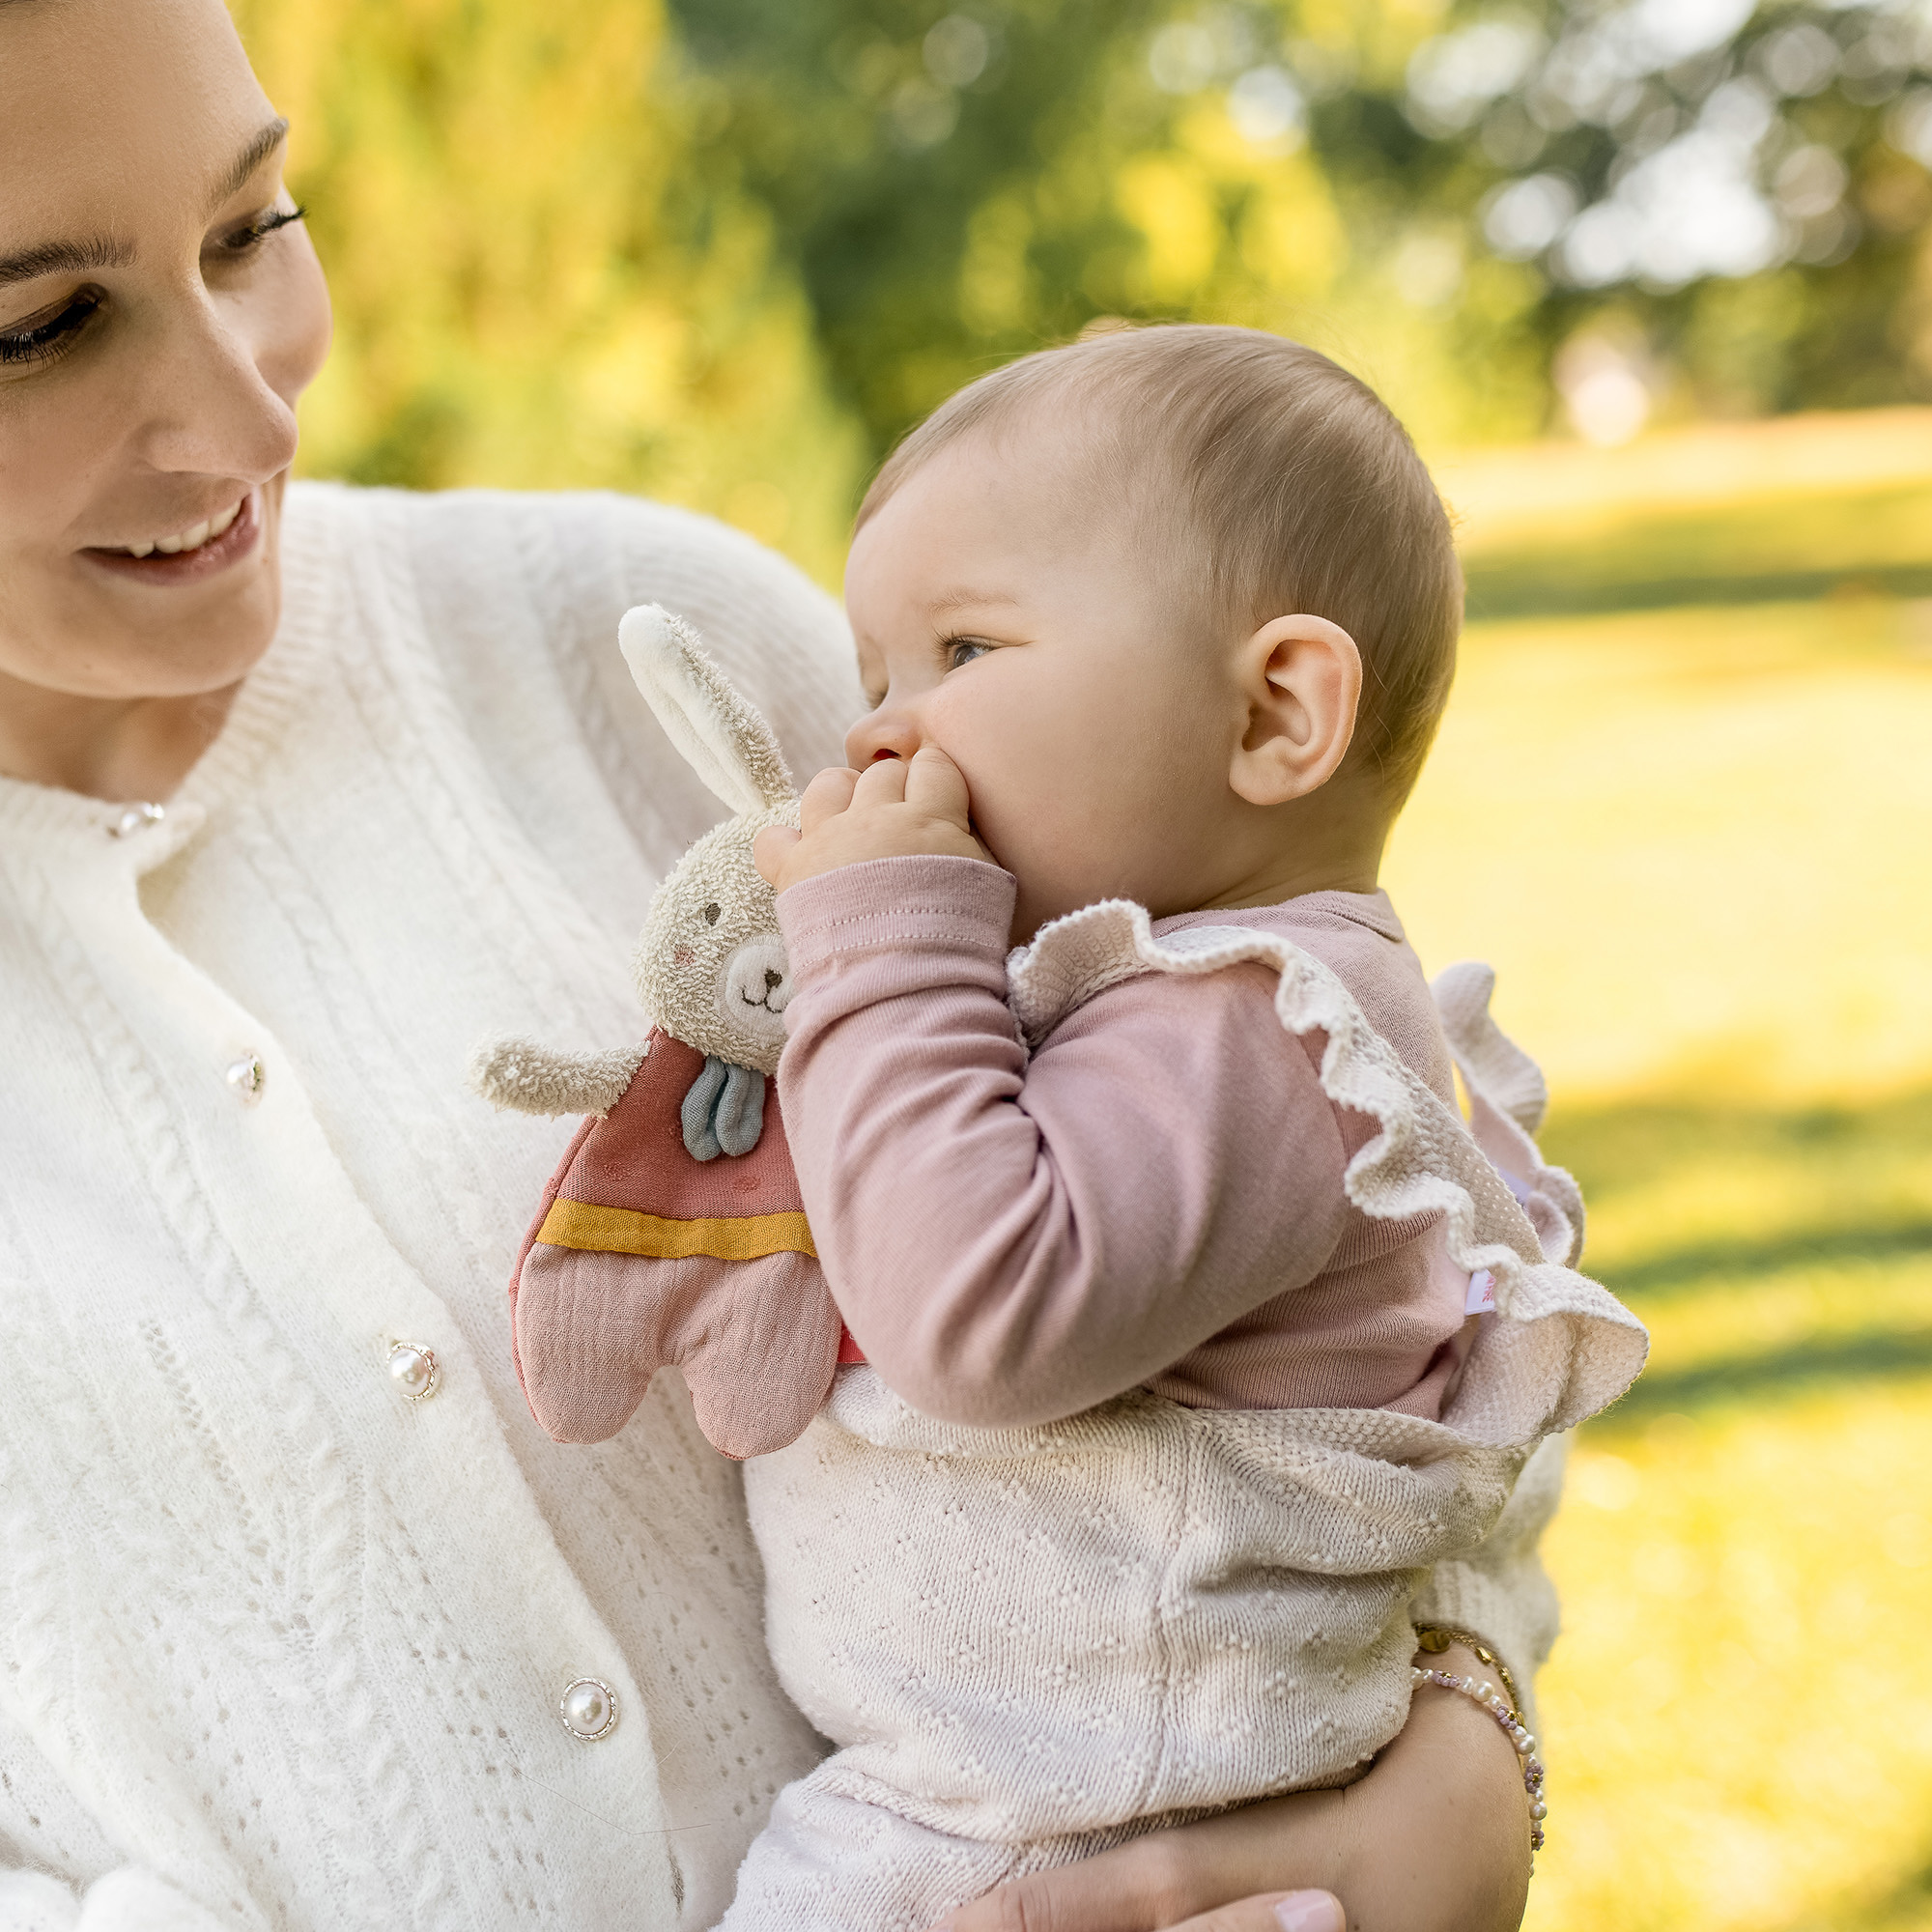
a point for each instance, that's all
(772, 980)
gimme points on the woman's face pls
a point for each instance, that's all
(161, 311)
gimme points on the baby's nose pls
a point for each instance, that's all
(885, 734)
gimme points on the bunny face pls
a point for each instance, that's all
(710, 966)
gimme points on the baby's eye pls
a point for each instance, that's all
(963, 650)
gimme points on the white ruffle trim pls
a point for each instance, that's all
(1561, 1346)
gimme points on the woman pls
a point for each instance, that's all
(303, 789)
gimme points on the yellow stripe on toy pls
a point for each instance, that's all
(623, 1231)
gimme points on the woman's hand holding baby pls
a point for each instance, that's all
(894, 809)
(1434, 1838)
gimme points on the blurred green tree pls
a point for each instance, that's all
(1701, 205)
(535, 283)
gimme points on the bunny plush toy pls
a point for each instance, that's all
(672, 1232)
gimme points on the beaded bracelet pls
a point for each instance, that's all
(1499, 1707)
(1435, 1638)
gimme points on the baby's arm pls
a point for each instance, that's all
(1011, 1240)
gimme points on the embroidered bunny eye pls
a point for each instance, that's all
(711, 912)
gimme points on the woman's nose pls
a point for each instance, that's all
(888, 733)
(218, 412)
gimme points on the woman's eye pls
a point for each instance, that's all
(963, 650)
(258, 228)
(43, 337)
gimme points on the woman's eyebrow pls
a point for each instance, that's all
(101, 251)
(65, 258)
(252, 157)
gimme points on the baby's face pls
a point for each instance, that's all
(1006, 612)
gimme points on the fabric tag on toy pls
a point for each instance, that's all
(1482, 1298)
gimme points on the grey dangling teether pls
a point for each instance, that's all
(723, 1110)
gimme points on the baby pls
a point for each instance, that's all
(1162, 1242)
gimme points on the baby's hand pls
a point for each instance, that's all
(891, 810)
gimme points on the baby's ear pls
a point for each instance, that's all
(722, 739)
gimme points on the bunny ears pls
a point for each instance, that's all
(722, 739)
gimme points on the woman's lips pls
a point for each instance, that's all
(189, 567)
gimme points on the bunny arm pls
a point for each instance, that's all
(527, 1077)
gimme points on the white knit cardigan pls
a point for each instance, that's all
(278, 1646)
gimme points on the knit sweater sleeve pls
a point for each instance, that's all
(498, 576)
(61, 1871)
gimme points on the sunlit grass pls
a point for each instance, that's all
(1693, 843)
(1739, 1717)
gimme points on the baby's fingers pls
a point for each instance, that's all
(826, 796)
(882, 782)
(769, 849)
(937, 786)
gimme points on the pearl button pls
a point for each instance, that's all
(247, 1076)
(413, 1370)
(136, 819)
(589, 1709)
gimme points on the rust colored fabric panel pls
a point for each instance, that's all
(635, 1156)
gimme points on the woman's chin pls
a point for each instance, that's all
(169, 625)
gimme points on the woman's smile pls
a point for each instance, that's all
(187, 556)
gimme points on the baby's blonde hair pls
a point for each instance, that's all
(1297, 483)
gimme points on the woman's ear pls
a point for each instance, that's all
(1301, 678)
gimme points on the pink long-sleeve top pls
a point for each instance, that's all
(1151, 1198)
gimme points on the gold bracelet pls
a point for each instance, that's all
(1435, 1638)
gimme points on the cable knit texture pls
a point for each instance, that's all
(279, 1648)
(1026, 1638)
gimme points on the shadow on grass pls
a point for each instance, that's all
(1540, 587)
(1695, 1201)
(1618, 1148)
(1689, 1268)
(1802, 1186)
(1882, 1355)
(1869, 541)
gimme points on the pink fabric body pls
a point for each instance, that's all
(758, 1341)
(1152, 1198)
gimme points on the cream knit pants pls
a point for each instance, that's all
(1035, 1642)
